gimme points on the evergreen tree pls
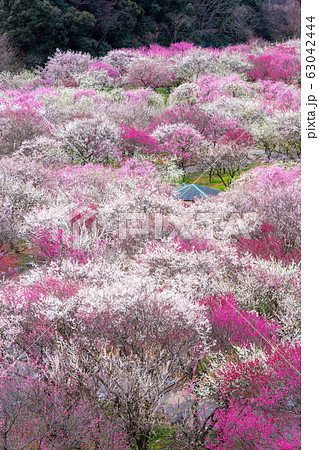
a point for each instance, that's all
(38, 27)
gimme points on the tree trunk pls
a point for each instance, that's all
(210, 175)
(142, 442)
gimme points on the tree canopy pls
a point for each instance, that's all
(38, 27)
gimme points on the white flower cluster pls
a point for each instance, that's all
(195, 65)
(184, 95)
(278, 134)
(88, 139)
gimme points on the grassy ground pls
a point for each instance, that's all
(22, 259)
(202, 178)
(165, 92)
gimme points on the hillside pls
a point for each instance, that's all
(129, 319)
(38, 27)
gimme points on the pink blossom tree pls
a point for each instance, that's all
(65, 64)
(279, 64)
(266, 194)
(229, 155)
(63, 419)
(135, 141)
(180, 142)
(210, 127)
(260, 401)
(212, 87)
(148, 73)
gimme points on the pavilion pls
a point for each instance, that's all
(192, 192)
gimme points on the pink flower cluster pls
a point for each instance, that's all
(232, 326)
(261, 402)
(98, 66)
(133, 140)
(50, 245)
(267, 246)
(8, 264)
(279, 64)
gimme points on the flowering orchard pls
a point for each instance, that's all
(128, 320)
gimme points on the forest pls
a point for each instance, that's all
(38, 27)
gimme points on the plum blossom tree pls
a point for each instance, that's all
(195, 64)
(230, 62)
(120, 59)
(140, 351)
(45, 150)
(229, 155)
(148, 73)
(17, 126)
(63, 419)
(273, 289)
(180, 142)
(7, 221)
(244, 111)
(278, 135)
(212, 87)
(259, 398)
(155, 359)
(90, 140)
(279, 64)
(132, 167)
(231, 326)
(64, 64)
(271, 195)
(99, 75)
(279, 94)
(136, 141)
(145, 97)
(210, 126)
(138, 114)
(184, 95)
(170, 173)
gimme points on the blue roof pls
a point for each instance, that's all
(189, 192)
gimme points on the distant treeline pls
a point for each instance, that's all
(37, 27)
